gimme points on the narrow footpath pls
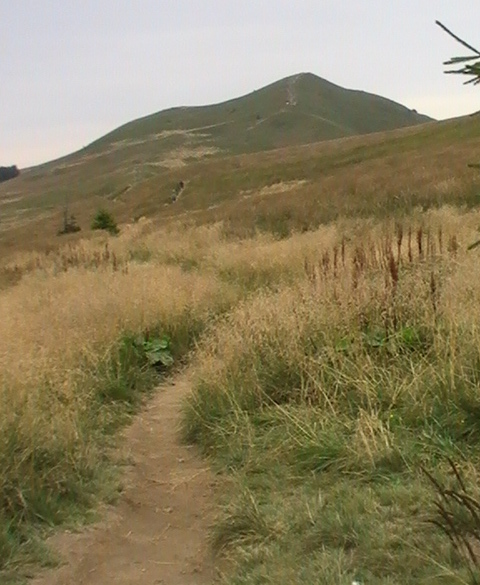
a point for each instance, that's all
(157, 531)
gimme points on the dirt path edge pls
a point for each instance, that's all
(157, 533)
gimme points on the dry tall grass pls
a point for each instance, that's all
(339, 346)
(65, 373)
(328, 394)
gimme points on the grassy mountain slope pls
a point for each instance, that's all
(146, 157)
(294, 188)
(299, 109)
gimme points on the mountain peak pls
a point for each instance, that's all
(298, 109)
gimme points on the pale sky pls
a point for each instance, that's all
(73, 70)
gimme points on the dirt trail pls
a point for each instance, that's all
(157, 532)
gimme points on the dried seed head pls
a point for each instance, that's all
(453, 245)
(393, 269)
(410, 253)
(420, 241)
(335, 260)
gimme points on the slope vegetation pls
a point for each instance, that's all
(327, 301)
(241, 187)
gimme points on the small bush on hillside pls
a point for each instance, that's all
(104, 220)
(70, 226)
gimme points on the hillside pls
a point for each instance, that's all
(133, 169)
(330, 352)
(295, 110)
(294, 188)
(315, 310)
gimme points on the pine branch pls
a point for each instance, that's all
(458, 39)
(469, 69)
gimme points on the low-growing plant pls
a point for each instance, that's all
(157, 350)
(70, 226)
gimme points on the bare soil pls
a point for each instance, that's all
(157, 531)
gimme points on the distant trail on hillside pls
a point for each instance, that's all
(265, 119)
(292, 90)
(291, 101)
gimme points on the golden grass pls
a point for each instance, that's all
(61, 355)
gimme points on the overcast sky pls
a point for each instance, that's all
(72, 70)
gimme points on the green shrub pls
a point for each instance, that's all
(104, 220)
